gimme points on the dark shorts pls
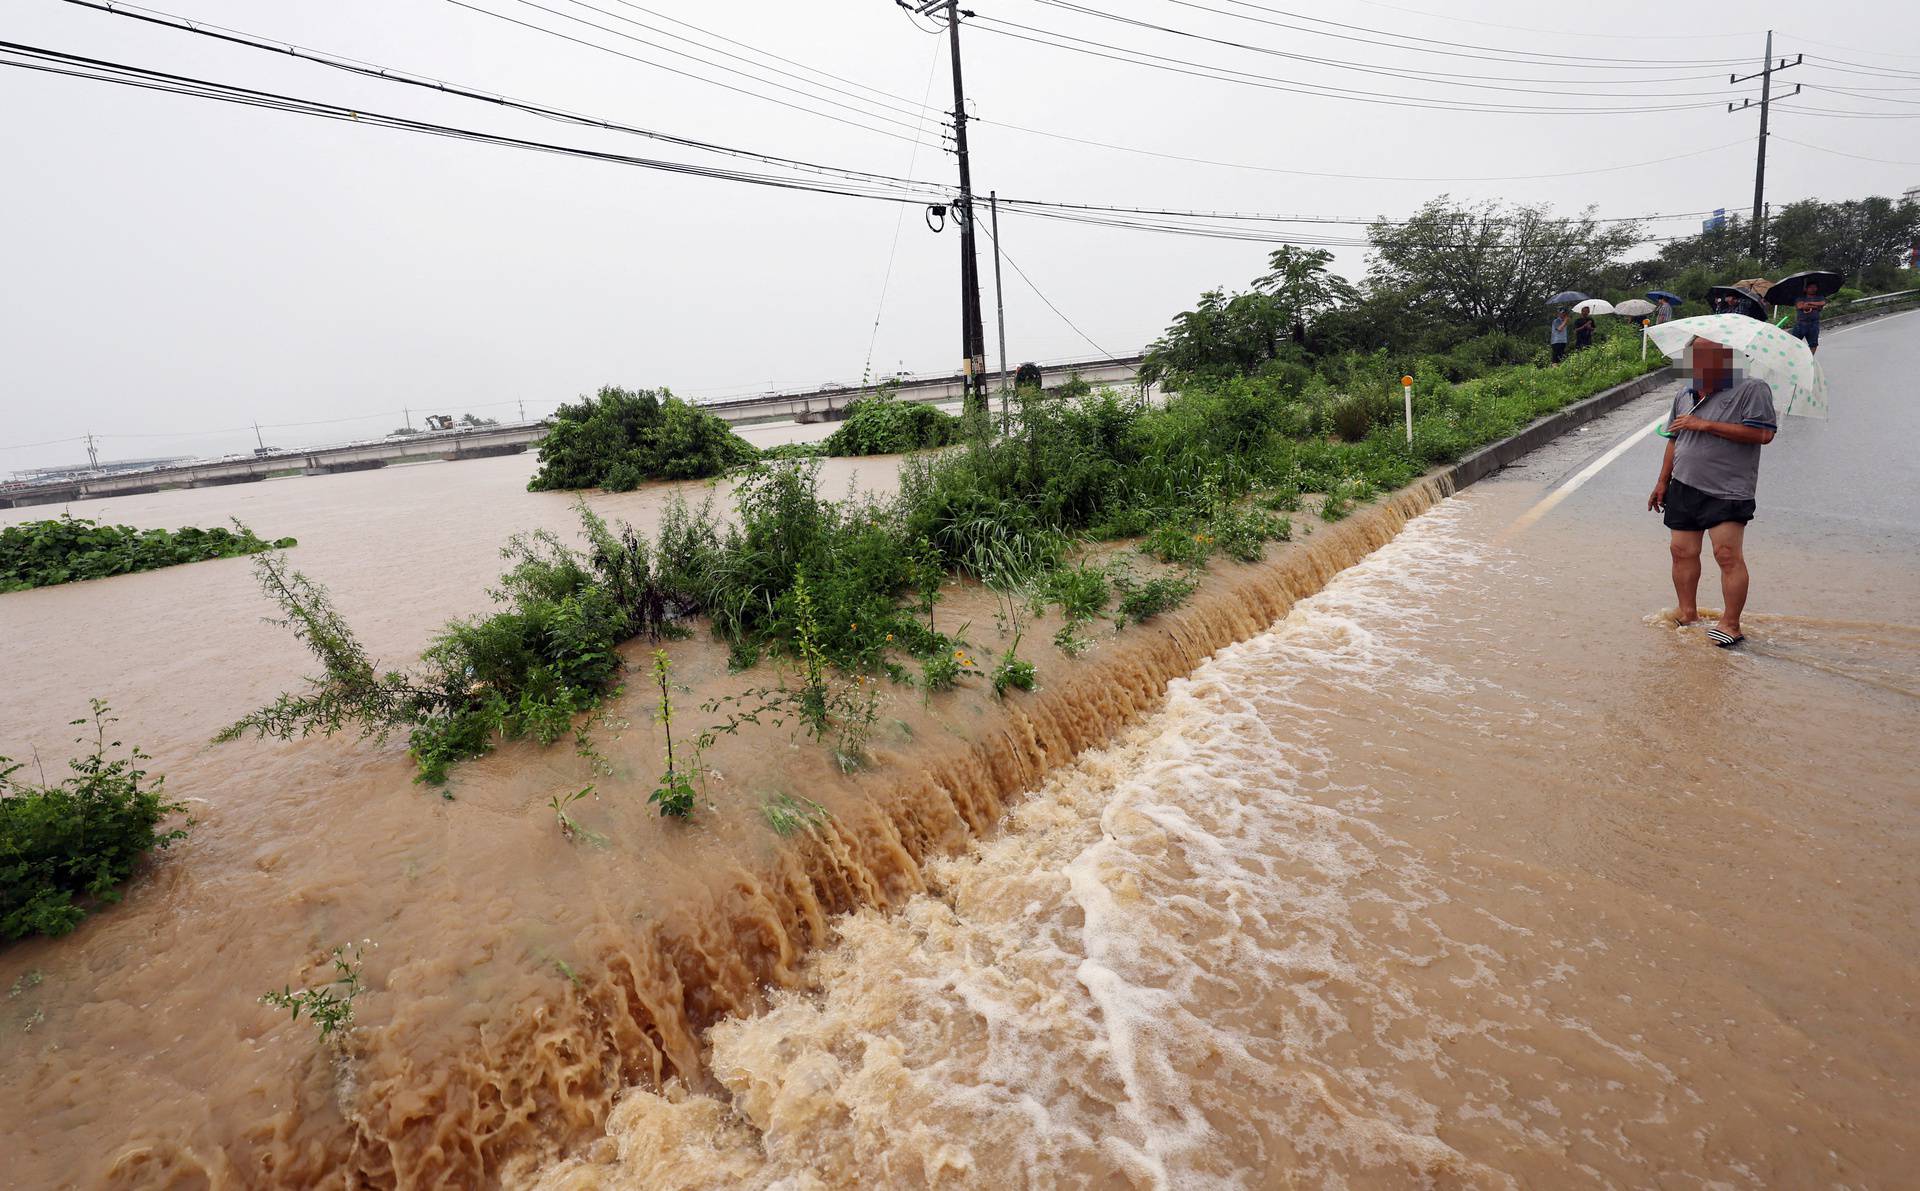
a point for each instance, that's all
(1692, 510)
(1809, 332)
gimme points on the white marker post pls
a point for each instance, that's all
(1644, 323)
(1406, 390)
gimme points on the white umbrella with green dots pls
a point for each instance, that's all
(1765, 353)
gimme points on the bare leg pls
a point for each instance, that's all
(1686, 574)
(1729, 541)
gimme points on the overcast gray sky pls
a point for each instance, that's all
(175, 268)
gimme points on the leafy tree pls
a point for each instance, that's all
(1863, 238)
(1299, 280)
(1222, 336)
(1493, 265)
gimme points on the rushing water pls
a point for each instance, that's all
(1469, 871)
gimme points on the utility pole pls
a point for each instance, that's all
(257, 438)
(1765, 74)
(93, 453)
(523, 409)
(973, 337)
(999, 302)
(408, 415)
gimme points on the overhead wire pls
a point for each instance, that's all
(673, 20)
(863, 113)
(899, 221)
(1451, 19)
(391, 74)
(101, 70)
(897, 106)
(1022, 274)
(1478, 81)
(1269, 169)
(619, 53)
(1107, 50)
(1840, 153)
(1451, 48)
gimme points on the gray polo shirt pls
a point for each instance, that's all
(1718, 466)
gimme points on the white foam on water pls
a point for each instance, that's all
(1192, 959)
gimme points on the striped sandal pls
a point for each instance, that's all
(1723, 639)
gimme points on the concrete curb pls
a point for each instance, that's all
(1489, 459)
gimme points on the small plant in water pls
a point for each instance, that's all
(674, 795)
(329, 1005)
(569, 828)
(1015, 672)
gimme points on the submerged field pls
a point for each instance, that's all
(520, 967)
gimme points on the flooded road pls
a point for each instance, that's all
(1474, 871)
(1471, 871)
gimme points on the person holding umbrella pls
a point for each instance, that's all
(1663, 311)
(1557, 334)
(1708, 479)
(1807, 293)
(1583, 331)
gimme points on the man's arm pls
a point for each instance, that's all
(1658, 500)
(1731, 431)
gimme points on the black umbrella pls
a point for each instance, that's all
(1788, 290)
(1567, 297)
(1745, 301)
(1654, 295)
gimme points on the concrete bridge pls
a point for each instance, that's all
(830, 403)
(818, 405)
(319, 461)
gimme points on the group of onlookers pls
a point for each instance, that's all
(1806, 322)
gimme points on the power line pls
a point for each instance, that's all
(922, 105)
(566, 16)
(1839, 153)
(899, 219)
(1359, 221)
(900, 106)
(1839, 114)
(1451, 48)
(1269, 169)
(1049, 301)
(1435, 77)
(1223, 74)
(100, 70)
(580, 41)
(408, 78)
(1450, 18)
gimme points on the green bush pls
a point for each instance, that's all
(621, 439)
(881, 424)
(69, 548)
(66, 848)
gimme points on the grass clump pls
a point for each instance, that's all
(882, 424)
(1143, 599)
(66, 847)
(788, 815)
(68, 549)
(620, 439)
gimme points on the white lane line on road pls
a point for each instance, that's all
(1580, 477)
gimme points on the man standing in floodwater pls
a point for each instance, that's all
(1708, 479)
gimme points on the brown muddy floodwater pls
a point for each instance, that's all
(1470, 871)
